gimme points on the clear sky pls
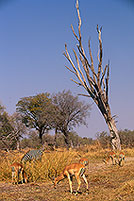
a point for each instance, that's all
(32, 38)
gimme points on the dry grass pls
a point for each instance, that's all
(106, 182)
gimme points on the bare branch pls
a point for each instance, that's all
(79, 26)
(99, 54)
(75, 69)
(70, 70)
(102, 80)
(103, 74)
(82, 82)
(74, 32)
(92, 64)
(78, 83)
(84, 95)
(107, 80)
(78, 64)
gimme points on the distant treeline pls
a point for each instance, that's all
(38, 116)
(75, 141)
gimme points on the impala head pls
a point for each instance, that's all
(121, 158)
(55, 182)
(54, 178)
(84, 161)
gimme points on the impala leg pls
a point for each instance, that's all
(85, 179)
(121, 162)
(112, 160)
(78, 181)
(24, 176)
(70, 182)
(13, 177)
(17, 175)
(21, 175)
(115, 160)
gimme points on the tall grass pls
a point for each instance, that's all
(52, 163)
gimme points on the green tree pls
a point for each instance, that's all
(70, 112)
(11, 129)
(37, 112)
(18, 129)
(127, 138)
(5, 129)
(103, 138)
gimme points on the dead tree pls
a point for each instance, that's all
(95, 82)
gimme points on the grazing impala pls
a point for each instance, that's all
(111, 156)
(84, 161)
(18, 171)
(75, 169)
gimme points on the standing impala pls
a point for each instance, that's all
(18, 172)
(75, 169)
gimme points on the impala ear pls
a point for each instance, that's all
(55, 172)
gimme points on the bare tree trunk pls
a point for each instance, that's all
(94, 82)
(115, 140)
(18, 145)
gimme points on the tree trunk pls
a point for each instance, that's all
(55, 138)
(40, 136)
(66, 137)
(18, 145)
(115, 140)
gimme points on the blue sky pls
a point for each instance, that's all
(32, 38)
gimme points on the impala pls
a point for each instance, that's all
(75, 169)
(111, 156)
(18, 172)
